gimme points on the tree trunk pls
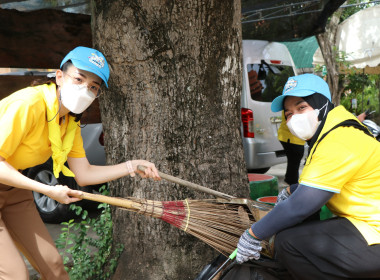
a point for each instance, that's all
(174, 99)
(327, 42)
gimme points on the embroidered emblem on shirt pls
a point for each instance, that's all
(290, 84)
(97, 60)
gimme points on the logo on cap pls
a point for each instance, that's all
(290, 84)
(97, 60)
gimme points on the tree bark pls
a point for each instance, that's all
(328, 43)
(174, 99)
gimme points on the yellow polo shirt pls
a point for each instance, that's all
(24, 133)
(347, 162)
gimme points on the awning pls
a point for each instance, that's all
(359, 37)
(302, 51)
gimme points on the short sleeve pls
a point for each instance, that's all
(332, 165)
(16, 120)
(77, 150)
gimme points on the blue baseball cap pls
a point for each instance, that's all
(301, 86)
(89, 60)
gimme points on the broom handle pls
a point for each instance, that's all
(120, 202)
(190, 185)
(231, 257)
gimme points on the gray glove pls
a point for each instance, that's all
(248, 248)
(284, 194)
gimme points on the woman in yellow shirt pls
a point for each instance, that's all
(37, 123)
(342, 170)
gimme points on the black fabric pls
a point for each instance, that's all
(262, 269)
(304, 202)
(318, 101)
(275, 20)
(332, 249)
(209, 269)
(321, 102)
(294, 154)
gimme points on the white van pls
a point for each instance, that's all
(266, 68)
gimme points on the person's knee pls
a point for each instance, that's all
(54, 269)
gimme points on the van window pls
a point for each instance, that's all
(266, 81)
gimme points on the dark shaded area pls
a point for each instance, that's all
(41, 38)
(38, 39)
(278, 20)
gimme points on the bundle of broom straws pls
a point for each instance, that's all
(217, 222)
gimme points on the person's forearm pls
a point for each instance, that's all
(94, 174)
(11, 177)
(304, 202)
(87, 174)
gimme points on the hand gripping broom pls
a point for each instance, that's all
(217, 222)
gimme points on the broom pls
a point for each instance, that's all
(217, 222)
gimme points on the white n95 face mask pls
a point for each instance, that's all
(76, 98)
(304, 125)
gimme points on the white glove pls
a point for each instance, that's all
(248, 248)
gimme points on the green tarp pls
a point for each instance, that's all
(302, 51)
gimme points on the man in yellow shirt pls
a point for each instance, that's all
(342, 170)
(37, 123)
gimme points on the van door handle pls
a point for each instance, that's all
(276, 119)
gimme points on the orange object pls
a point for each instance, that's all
(268, 199)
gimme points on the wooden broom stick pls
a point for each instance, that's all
(262, 205)
(116, 201)
(190, 184)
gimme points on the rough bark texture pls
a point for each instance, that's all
(174, 99)
(328, 43)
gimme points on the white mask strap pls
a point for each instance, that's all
(325, 109)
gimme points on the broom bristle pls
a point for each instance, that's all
(219, 225)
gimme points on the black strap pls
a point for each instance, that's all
(349, 122)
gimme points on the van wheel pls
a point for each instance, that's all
(50, 210)
(259, 171)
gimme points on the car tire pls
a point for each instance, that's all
(50, 210)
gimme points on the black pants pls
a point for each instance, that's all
(294, 154)
(329, 249)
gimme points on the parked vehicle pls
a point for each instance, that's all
(266, 68)
(50, 210)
